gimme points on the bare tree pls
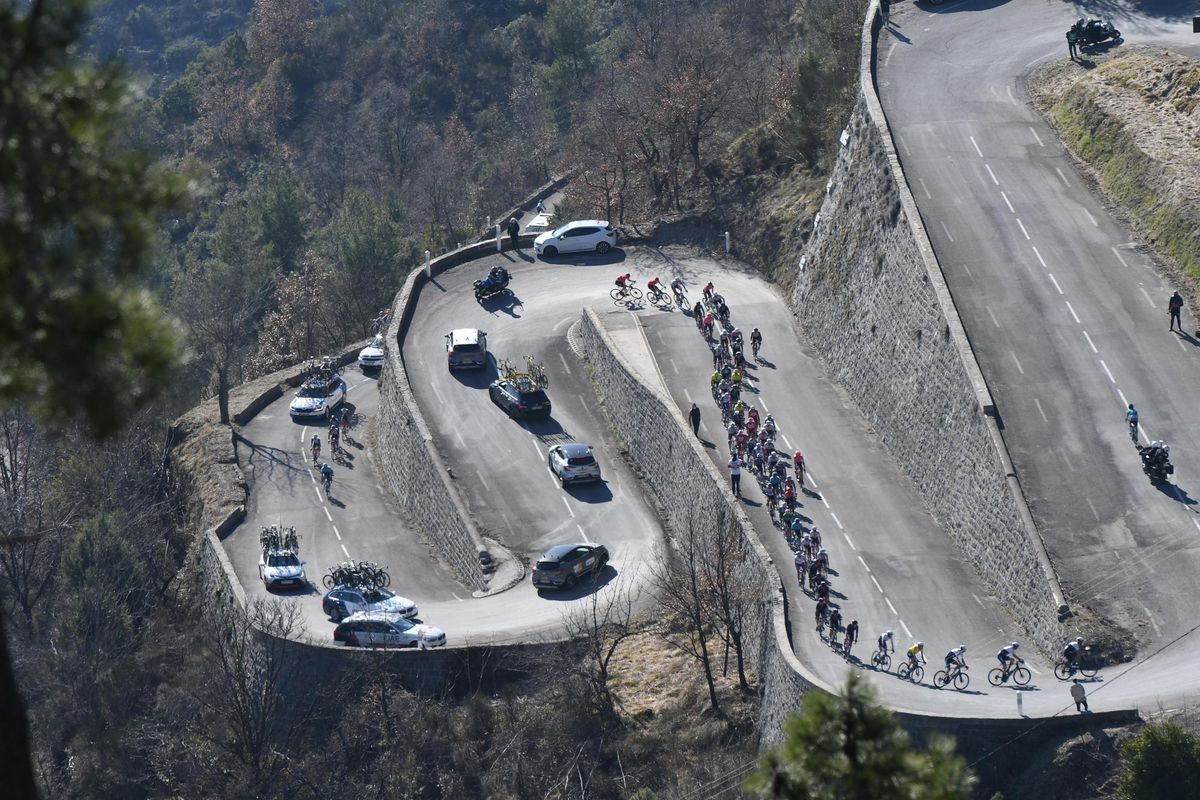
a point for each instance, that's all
(253, 692)
(31, 536)
(597, 626)
(731, 590)
(679, 576)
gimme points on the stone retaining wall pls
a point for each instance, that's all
(871, 297)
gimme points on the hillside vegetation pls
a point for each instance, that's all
(1135, 119)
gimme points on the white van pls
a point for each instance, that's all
(466, 348)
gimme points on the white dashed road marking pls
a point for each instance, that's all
(1041, 260)
(566, 366)
(836, 521)
(583, 533)
(1037, 403)
(1007, 203)
(1022, 227)
(846, 536)
(947, 231)
(877, 586)
(925, 189)
(1072, 310)
(1064, 177)
(1090, 343)
(1091, 218)
(1107, 372)
(892, 607)
(1117, 253)
(1039, 141)
(988, 167)
(337, 533)
(569, 509)
(325, 508)
(864, 563)
(1055, 282)
(907, 632)
(344, 550)
(993, 316)
(976, 144)
(1017, 362)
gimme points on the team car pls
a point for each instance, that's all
(281, 569)
(564, 565)
(371, 356)
(383, 629)
(573, 463)
(466, 348)
(319, 396)
(342, 601)
(520, 398)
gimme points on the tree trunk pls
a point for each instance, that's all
(223, 392)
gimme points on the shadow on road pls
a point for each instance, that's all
(543, 427)
(615, 256)
(597, 492)
(1192, 340)
(1176, 492)
(936, 6)
(478, 378)
(508, 302)
(606, 576)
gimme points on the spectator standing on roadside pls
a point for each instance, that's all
(1072, 43)
(735, 475)
(1174, 306)
(1079, 695)
(694, 418)
(514, 232)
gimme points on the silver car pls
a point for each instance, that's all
(573, 463)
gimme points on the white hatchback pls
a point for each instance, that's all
(580, 236)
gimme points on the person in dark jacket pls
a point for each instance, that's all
(1174, 306)
(514, 232)
(694, 418)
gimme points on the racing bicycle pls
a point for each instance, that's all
(1083, 665)
(910, 671)
(625, 293)
(1019, 675)
(957, 676)
(658, 297)
(680, 297)
(881, 659)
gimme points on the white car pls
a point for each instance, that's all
(318, 396)
(581, 236)
(380, 629)
(281, 569)
(539, 223)
(371, 356)
(342, 601)
(573, 463)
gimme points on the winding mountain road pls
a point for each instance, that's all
(1059, 343)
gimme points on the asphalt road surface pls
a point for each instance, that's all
(1065, 312)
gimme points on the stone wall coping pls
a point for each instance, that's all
(937, 280)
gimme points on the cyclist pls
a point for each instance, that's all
(887, 642)
(956, 660)
(715, 300)
(789, 492)
(755, 341)
(698, 311)
(708, 290)
(822, 610)
(851, 636)
(801, 568)
(714, 379)
(753, 414)
(1072, 652)
(624, 282)
(327, 477)
(736, 376)
(798, 465)
(917, 649)
(1007, 656)
(769, 426)
(652, 285)
(677, 289)
(709, 321)
(333, 437)
(315, 444)
(1131, 416)
(835, 625)
(346, 417)
(735, 336)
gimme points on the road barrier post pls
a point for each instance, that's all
(498, 242)
(489, 221)
(1020, 703)
(428, 266)
(726, 242)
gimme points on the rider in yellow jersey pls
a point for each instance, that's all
(917, 649)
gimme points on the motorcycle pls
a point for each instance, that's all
(1156, 462)
(1095, 31)
(495, 282)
